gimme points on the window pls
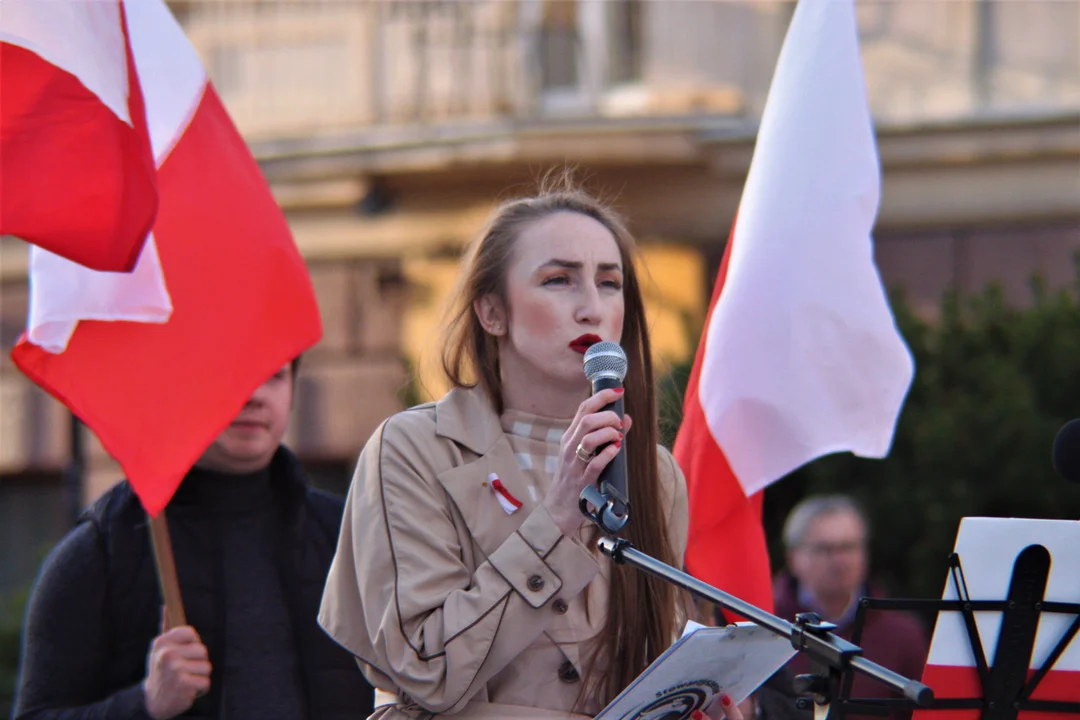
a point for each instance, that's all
(559, 45)
(624, 18)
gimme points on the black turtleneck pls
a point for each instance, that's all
(252, 554)
(243, 515)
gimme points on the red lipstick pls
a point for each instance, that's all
(583, 343)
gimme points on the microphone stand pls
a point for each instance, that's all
(808, 634)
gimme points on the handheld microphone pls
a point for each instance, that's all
(605, 367)
(1066, 456)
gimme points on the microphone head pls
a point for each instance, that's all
(1067, 451)
(605, 359)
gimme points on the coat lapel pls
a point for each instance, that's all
(467, 417)
(471, 491)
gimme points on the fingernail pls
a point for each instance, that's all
(697, 715)
(621, 436)
(619, 391)
(725, 700)
(618, 443)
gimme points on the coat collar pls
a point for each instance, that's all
(466, 416)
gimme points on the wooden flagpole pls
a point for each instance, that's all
(166, 571)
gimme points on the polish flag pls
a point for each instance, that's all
(800, 356)
(988, 549)
(158, 361)
(76, 171)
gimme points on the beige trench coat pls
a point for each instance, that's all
(451, 605)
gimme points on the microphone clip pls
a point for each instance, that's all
(610, 514)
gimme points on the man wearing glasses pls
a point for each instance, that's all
(826, 538)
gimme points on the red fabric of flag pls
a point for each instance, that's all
(75, 178)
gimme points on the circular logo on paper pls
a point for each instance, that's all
(676, 703)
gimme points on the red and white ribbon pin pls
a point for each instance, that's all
(507, 502)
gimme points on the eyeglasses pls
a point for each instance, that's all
(843, 548)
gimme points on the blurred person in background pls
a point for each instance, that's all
(826, 539)
(252, 542)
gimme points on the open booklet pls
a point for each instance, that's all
(702, 664)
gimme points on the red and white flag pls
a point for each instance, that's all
(158, 361)
(988, 549)
(76, 171)
(800, 356)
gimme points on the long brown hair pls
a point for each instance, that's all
(642, 611)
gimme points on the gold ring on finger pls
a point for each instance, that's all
(583, 455)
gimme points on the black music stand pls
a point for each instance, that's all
(1005, 688)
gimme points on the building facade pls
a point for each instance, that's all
(389, 130)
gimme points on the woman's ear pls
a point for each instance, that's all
(491, 313)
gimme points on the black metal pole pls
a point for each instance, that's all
(73, 473)
(816, 641)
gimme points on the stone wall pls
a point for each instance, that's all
(926, 263)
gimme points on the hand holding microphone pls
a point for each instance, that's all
(605, 367)
(591, 459)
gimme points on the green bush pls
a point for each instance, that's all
(993, 384)
(10, 637)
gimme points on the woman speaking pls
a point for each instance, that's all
(466, 579)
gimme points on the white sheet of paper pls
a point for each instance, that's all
(702, 664)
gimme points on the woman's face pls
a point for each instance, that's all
(564, 290)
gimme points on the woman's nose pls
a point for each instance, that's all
(589, 310)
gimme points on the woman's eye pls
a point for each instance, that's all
(613, 284)
(557, 280)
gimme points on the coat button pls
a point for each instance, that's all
(568, 673)
(536, 583)
(560, 606)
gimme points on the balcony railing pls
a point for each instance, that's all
(287, 68)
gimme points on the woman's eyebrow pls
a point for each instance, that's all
(576, 265)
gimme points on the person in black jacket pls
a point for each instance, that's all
(253, 542)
